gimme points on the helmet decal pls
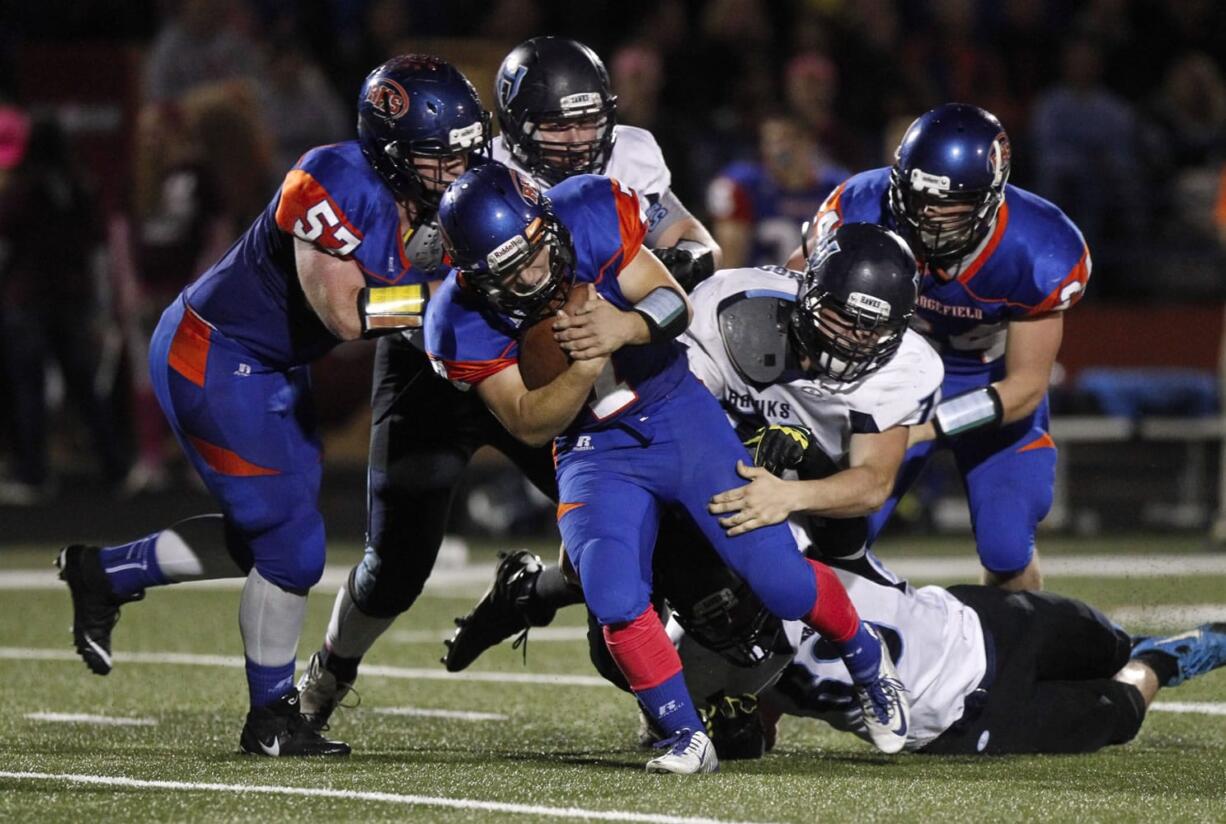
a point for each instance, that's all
(388, 99)
(999, 159)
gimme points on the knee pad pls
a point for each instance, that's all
(612, 587)
(382, 592)
(1005, 552)
(292, 555)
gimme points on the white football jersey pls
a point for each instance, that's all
(901, 392)
(939, 652)
(636, 161)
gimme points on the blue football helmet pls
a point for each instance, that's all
(415, 105)
(856, 300)
(953, 155)
(494, 223)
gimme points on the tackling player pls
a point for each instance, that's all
(991, 672)
(558, 117)
(632, 429)
(327, 261)
(1000, 267)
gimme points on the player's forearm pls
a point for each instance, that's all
(1020, 396)
(542, 414)
(337, 308)
(847, 494)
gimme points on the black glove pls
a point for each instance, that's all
(689, 262)
(778, 447)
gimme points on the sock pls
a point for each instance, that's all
(835, 617)
(350, 635)
(270, 620)
(267, 684)
(652, 668)
(1164, 665)
(133, 566)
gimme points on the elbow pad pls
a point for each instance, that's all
(976, 409)
(665, 313)
(385, 309)
(689, 262)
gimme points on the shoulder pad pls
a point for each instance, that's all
(754, 331)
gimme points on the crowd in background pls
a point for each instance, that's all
(1116, 110)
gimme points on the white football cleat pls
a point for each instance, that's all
(884, 704)
(690, 752)
(320, 694)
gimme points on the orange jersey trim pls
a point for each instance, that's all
(1002, 220)
(630, 223)
(227, 462)
(300, 194)
(189, 350)
(1044, 441)
(1080, 273)
(473, 372)
(563, 508)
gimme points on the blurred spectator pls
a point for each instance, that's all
(1085, 147)
(759, 206)
(179, 227)
(198, 45)
(811, 82)
(237, 148)
(299, 106)
(954, 60)
(51, 282)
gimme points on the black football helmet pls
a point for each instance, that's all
(415, 105)
(857, 297)
(952, 155)
(552, 81)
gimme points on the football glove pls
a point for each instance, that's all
(779, 446)
(689, 262)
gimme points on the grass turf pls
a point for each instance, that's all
(560, 746)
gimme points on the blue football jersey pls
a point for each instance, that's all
(333, 199)
(1035, 261)
(468, 341)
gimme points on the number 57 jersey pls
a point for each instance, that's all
(335, 201)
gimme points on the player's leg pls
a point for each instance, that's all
(421, 440)
(790, 585)
(525, 592)
(1009, 476)
(608, 525)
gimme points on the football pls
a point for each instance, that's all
(541, 358)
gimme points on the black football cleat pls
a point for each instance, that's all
(501, 612)
(95, 606)
(281, 731)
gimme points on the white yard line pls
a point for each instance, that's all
(419, 712)
(236, 662)
(1168, 616)
(357, 795)
(82, 718)
(1200, 707)
(937, 567)
(435, 636)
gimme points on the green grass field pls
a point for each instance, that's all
(554, 749)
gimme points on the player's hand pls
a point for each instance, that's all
(778, 447)
(596, 329)
(765, 500)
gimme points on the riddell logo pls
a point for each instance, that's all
(388, 98)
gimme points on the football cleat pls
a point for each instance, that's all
(884, 705)
(95, 606)
(1195, 652)
(689, 752)
(320, 693)
(280, 731)
(500, 613)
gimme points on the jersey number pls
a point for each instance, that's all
(320, 218)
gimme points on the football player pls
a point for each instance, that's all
(558, 117)
(632, 429)
(992, 672)
(327, 261)
(1000, 268)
